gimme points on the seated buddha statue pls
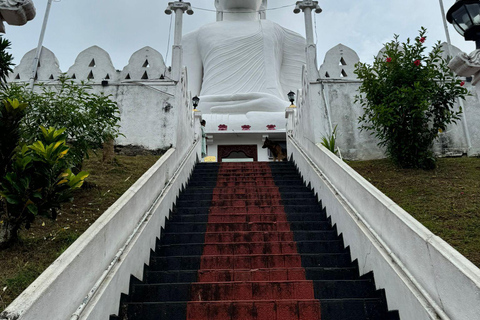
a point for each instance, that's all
(242, 67)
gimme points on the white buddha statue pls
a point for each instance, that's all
(242, 67)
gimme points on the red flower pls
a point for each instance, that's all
(389, 59)
(462, 83)
(417, 62)
(422, 39)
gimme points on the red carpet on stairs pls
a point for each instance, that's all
(250, 268)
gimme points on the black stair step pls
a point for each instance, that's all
(300, 235)
(294, 217)
(184, 227)
(332, 273)
(326, 260)
(180, 292)
(192, 249)
(189, 218)
(188, 203)
(330, 246)
(159, 263)
(191, 210)
(354, 309)
(344, 289)
(184, 238)
(172, 276)
(196, 249)
(303, 208)
(156, 311)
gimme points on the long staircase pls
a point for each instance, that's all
(250, 241)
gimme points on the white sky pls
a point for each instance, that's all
(121, 27)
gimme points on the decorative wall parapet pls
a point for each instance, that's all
(339, 63)
(48, 67)
(93, 64)
(144, 64)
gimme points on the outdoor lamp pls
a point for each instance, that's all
(291, 96)
(195, 100)
(465, 17)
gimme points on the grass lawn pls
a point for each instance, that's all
(47, 239)
(446, 200)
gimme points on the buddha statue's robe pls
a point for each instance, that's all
(242, 71)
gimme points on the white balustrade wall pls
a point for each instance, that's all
(145, 94)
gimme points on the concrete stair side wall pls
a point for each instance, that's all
(424, 277)
(119, 241)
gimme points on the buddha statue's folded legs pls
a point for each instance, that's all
(242, 103)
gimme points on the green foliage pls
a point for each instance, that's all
(11, 114)
(330, 141)
(90, 119)
(39, 181)
(5, 61)
(408, 96)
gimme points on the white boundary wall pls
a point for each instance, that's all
(424, 277)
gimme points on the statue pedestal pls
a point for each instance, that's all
(242, 145)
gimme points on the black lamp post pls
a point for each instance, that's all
(465, 17)
(291, 97)
(195, 100)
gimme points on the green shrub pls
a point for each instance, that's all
(39, 181)
(90, 119)
(408, 96)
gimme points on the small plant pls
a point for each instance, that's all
(39, 181)
(329, 142)
(408, 96)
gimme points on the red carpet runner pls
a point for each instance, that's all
(250, 268)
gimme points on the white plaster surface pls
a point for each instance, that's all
(93, 64)
(339, 63)
(424, 277)
(144, 64)
(48, 68)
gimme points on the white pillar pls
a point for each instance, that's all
(308, 25)
(40, 44)
(179, 8)
(311, 50)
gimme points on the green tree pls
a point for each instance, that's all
(6, 61)
(408, 96)
(90, 119)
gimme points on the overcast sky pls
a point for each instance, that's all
(121, 27)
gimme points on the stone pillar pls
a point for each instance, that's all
(311, 51)
(179, 8)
